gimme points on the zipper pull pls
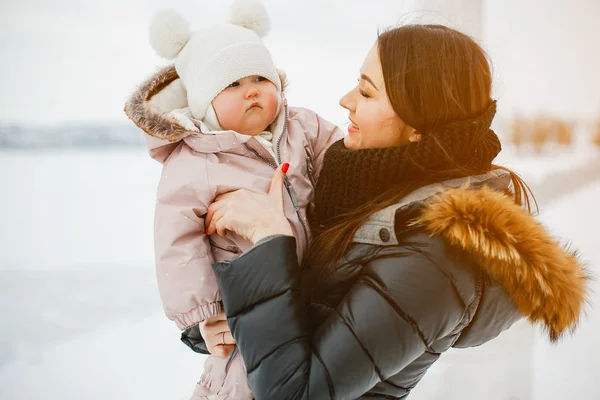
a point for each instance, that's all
(309, 165)
(290, 190)
(309, 169)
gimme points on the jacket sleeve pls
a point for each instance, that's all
(186, 281)
(387, 319)
(322, 135)
(193, 339)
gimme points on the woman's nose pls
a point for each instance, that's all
(346, 101)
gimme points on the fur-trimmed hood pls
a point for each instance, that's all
(149, 105)
(149, 108)
(545, 280)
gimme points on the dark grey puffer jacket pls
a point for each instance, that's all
(470, 265)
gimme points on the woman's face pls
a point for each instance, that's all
(373, 122)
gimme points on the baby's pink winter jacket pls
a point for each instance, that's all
(196, 168)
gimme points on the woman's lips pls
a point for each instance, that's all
(352, 128)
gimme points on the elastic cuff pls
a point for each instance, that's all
(198, 314)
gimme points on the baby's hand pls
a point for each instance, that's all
(182, 118)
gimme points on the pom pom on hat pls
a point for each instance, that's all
(250, 14)
(169, 33)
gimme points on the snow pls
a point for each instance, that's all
(571, 369)
(81, 316)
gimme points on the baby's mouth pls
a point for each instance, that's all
(254, 105)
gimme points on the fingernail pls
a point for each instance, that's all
(285, 167)
(206, 231)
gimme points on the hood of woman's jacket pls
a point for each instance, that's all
(544, 279)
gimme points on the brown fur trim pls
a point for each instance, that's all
(284, 80)
(139, 110)
(546, 282)
(157, 124)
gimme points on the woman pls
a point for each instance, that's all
(421, 243)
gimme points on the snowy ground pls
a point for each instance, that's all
(80, 310)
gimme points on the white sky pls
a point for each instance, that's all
(75, 60)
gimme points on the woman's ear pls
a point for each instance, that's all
(414, 136)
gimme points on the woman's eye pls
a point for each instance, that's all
(363, 93)
(234, 84)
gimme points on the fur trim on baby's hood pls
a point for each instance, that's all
(149, 106)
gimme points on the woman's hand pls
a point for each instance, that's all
(251, 215)
(217, 335)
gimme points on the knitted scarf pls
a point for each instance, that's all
(350, 178)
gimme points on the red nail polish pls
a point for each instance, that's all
(285, 167)
(206, 231)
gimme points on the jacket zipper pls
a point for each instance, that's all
(288, 184)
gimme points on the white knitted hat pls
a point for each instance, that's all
(210, 59)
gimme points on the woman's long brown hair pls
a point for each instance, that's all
(433, 75)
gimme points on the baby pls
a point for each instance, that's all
(218, 121)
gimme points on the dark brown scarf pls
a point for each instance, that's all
(350, 178)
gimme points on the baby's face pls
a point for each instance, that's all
(247, 106)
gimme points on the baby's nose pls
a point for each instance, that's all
(252, 92)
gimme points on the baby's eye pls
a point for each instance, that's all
(234, 84)
(261, 79)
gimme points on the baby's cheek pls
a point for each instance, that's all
(271, 104)
(227, 111)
